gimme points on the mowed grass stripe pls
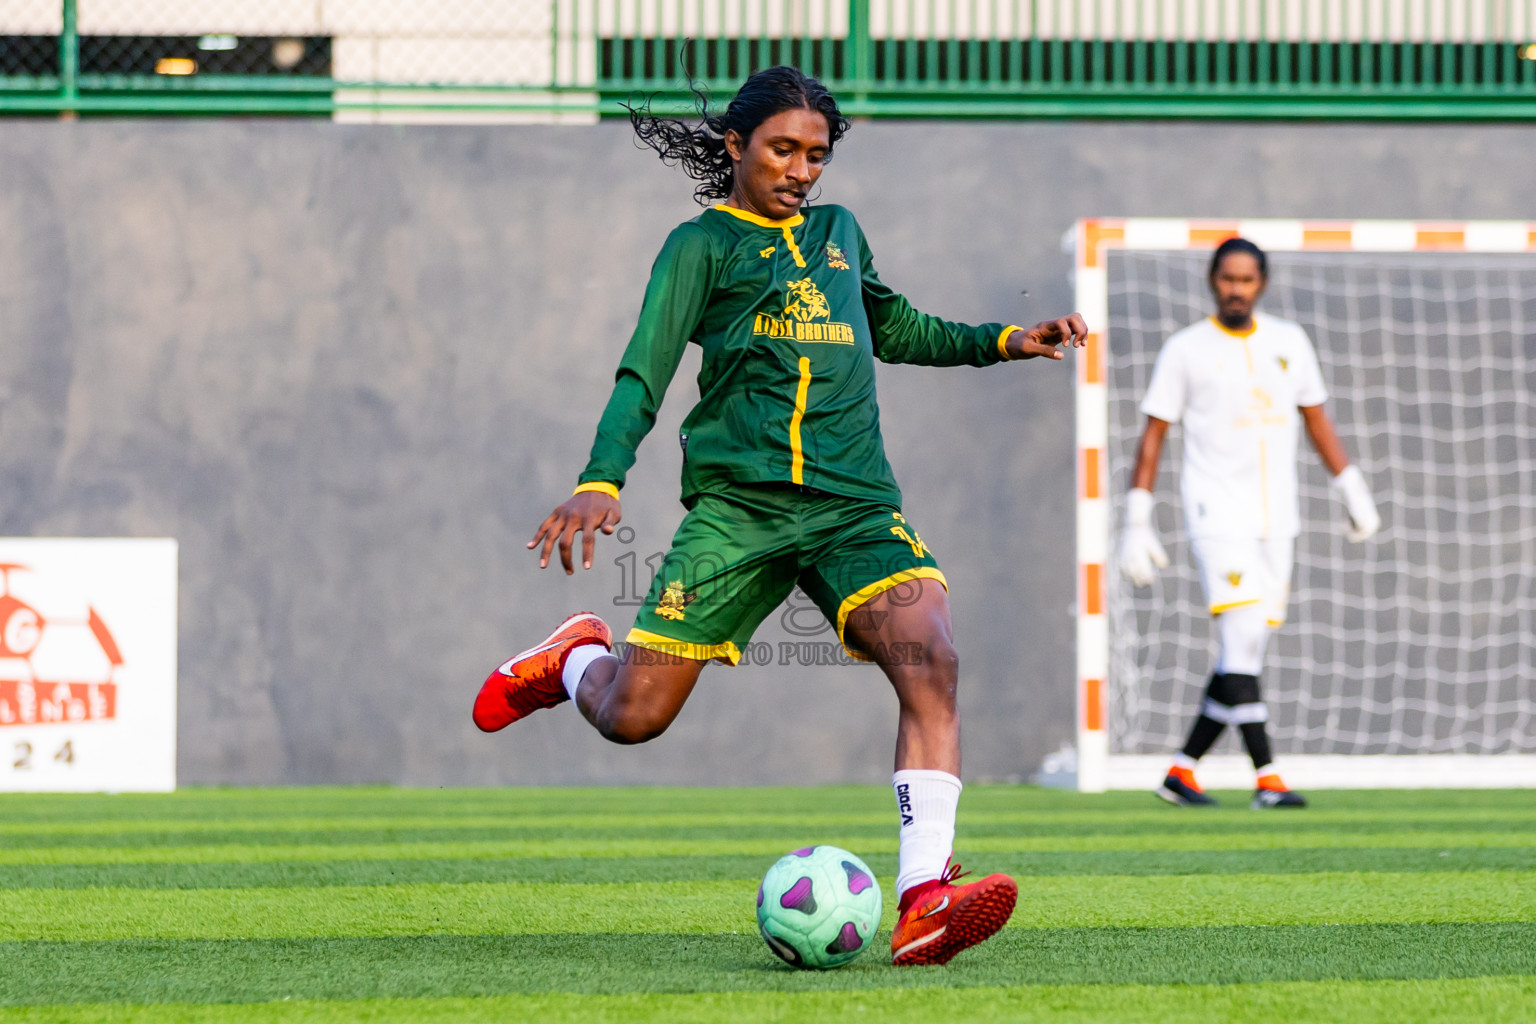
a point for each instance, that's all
(1154, 818)
(708, 907)
(743, 867)
(1451, 1001)
(1195, 830)
(196, 803)
(719, 847)
(143, 972)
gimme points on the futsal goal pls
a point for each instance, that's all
(1406, 661)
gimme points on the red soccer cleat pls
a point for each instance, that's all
(939, 919)
(531, 680)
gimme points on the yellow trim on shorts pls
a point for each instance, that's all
(1217, 609)
(864, 594)
(726, 652)
(600, 487)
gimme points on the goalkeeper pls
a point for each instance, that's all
(1238, 381)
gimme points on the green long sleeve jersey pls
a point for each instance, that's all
(791, 317)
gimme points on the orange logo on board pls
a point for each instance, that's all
(86, 694)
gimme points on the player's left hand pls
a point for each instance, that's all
(1364, 520)
(1043, 338)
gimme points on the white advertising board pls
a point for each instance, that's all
(87, 665)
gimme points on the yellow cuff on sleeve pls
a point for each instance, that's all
(599, 486)
(1002, 341)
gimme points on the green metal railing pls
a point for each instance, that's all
(904, 58)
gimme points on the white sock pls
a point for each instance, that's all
(926, 801)
(577, 662)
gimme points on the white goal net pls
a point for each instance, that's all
(1416, 644)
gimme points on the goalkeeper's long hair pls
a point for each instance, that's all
(700, 149)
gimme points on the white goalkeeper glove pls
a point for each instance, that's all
(1139, 548)
(1364, 520)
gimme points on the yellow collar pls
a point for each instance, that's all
(1224, 329)
(760, 221)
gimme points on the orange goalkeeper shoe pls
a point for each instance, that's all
(531, 680)
(939, 919)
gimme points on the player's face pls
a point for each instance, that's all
(1237, 285)
(776, 167)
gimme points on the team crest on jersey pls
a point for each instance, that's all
(673, 601)
(1234, 578)
(835, 258)
(765, 253)
(1285, 364)
(805, 310)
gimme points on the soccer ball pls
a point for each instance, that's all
(818, 908)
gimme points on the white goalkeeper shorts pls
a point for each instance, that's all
(1237, 572)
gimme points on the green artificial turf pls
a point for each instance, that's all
(637, 904)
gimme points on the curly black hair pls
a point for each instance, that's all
(700, 149)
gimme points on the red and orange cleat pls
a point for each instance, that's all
(1271, 792)
(939, 919)
(1180, 789)
(531, 680)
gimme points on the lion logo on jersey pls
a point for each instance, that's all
(805, 302)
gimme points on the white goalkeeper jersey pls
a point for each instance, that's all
(1237, 396)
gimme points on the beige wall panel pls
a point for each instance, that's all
(355, 59)
(30, 17)
(458, 18)
(507, 61)
(195, 17)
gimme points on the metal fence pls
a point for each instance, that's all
(559, 59)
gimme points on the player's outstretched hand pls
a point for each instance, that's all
(583, 513)
(1140, 549)
(1364, 520)
(1044, 338)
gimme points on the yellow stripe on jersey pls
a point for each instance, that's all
(794, 250)
(797, 454)
(1264, 486)
(763, 222)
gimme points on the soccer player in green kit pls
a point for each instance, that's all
(784, 477)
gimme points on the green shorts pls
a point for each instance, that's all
(737, 556)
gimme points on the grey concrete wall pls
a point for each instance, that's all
(350, 369)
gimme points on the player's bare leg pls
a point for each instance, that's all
(634, 700)
(628, 702)
(907, 630)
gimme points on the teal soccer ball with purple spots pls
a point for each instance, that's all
(819, 907)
